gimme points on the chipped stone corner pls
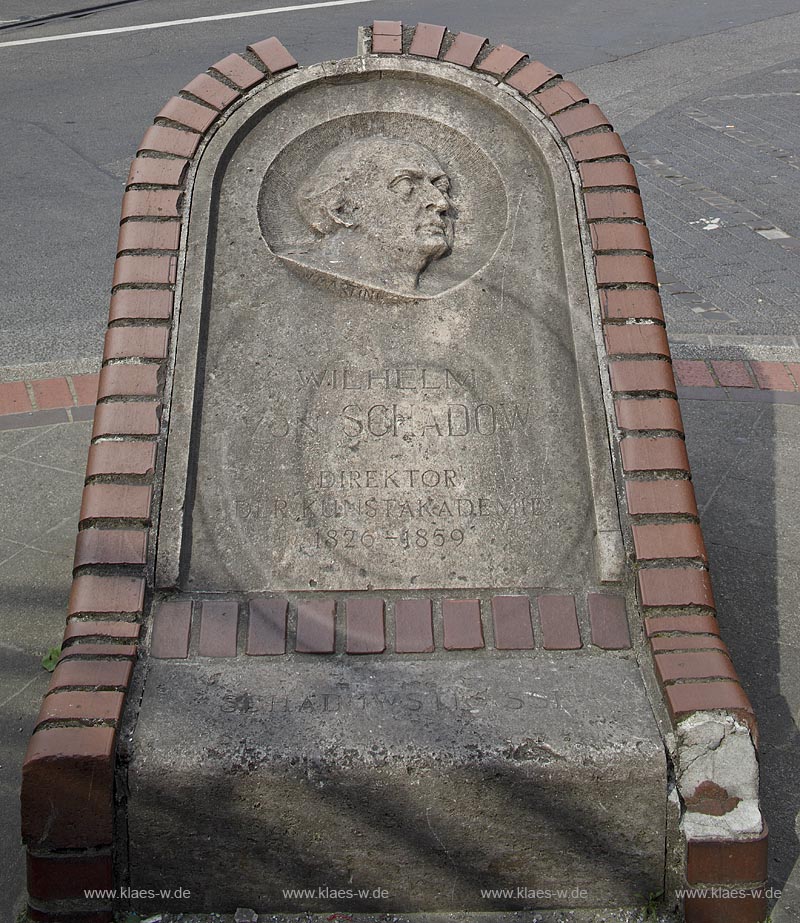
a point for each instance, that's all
(717, 778)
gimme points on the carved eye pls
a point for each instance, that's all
(443, 185)
(403, 185)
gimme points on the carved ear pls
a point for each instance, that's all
(342, 213)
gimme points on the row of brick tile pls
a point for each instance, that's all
(739, 373)
(412, 625)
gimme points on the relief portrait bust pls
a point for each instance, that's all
(378, 213)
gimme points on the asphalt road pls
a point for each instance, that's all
(73, 110)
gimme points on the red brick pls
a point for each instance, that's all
(560, 96)
(528, 79)
(596, 146)
(413, 626)
(614, 203)
(465, 48)
(621, 268)
(675, 586)
(609, 622)
(92, 674)
(14, 398)
(316, 627)
(151, 203)
(651, 413)
(636, 303)
(110, 546)
(149, 235)
(772, 376)
(157, 171)
(141, 304)
(746, 908)
(387, 27)
(654, 453)
(694, 665)
(136, 343)
(85, 387)
(169, 141)
(689, 624)
(211, 91)
(366, 630)
(641, 375)
(52, 878)
(80, 629)
(266, 630)
(116, 501)
(720, 694)
(119, 380)
(219, 622)
(500, 60)
(145, 270)
(462, 624)
(78, 706)
(67, 788)
(608, 173)
(106, 594)
(668, 540)
(133, 418)
(726, 861)
(693, 373)
(172, 625)
(239, 71)
(583, 118)
(663, 643)
(794, 369)
(511, 616)
(653, 497)
(94, 650)
(185, 112)
(636, 340)
(616, 235)
(559, 621)
(732, 374)
(51, 392)
(273, 54)
(427, 41)
(387, 44)
(121, 458)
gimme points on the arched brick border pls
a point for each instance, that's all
(68, 775)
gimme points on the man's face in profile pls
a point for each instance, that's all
(381, 207)
(406, 206)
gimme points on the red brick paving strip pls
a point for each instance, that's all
(69, 706)
(608, 173)
(669, 540)
(266, 631)
(172, 624)
(121, 458)
(274, 55)
(158, 171)
(211, 91)
(219, 621)
(462, 624)
(413, 626)
(635, 339)
(511, 617)
(500, 60)
(316, 624)
(559, 621)
(366, 633)
(609, 622)
(675, 586)
(614, 235)
(685, 698)
(141, 304)
(14, 398)
(613, 204)
(114, 674)
(387, 37)
(732, 374)
(168, 140)
(664, 453)
(593, 147)
(110, 546)
(772, 376)
(694, 665)
(693, 373)
(561, 96)
(641, 375)
(660, 413)
(638, 303)
(51, 392)
(530, 77)
(134, 380)
(746, 907)
(78, 630)
(651, 497)
(701, 624)
(666, 643)
(582, 118)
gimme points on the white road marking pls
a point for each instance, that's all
(183, 22)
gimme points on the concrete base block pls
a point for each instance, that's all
(534, 781)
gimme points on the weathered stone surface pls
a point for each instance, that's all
(430, 780)
(389, 389)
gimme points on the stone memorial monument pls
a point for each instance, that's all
(390, 591)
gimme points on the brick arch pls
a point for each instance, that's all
(68, 777)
